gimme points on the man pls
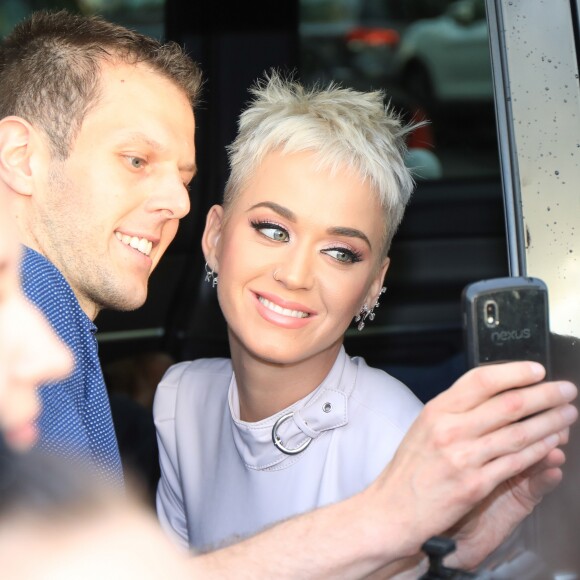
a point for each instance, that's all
(96, 151)
(111, 161)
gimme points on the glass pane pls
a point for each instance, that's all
(432, 58)
(146, 16)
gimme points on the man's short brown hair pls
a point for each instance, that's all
(50, 69)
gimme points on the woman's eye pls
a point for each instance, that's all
(342, 255)
(275, 233)
(272, 231)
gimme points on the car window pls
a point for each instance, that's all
(143, 15)
(430, 56)
(403, 9)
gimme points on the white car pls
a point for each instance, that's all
(446, 59)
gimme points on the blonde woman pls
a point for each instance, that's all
(299, 249)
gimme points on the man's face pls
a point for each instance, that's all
(108, 212)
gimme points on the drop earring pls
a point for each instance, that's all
(210, 276)
(368, 313)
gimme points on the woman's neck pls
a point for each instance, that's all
(265, 387)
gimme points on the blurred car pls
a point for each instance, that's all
(446, 59)
(355, 41)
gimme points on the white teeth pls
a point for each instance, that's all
(143, 245)
(285, 311)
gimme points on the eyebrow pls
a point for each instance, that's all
(279, 209)
(349, 233)
(335, 231)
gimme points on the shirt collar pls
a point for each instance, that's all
(324, 409)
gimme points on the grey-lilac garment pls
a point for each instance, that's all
(223, 478)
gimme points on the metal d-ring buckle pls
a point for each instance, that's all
(278, 442)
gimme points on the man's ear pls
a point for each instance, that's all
(374, 292)
(18, 140)
(211, 236)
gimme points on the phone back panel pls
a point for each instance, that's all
(506, 319)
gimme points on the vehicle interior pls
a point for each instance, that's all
(476, 212)
(456, 211)
(453, 232)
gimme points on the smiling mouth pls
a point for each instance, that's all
(284, 311)
(142, 245)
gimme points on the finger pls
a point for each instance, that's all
(516, 437)
(480, 384)
(556, 458)
(546, 474)
(564, 436)
(545, 482)
(516, 404)
(511, 465)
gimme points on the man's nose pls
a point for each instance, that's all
(172, 196)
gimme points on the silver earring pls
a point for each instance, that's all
(210, 276)
(366, 312)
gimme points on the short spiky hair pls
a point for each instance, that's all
(343, 127)
(50, 69)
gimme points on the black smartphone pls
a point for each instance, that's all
(506, 319)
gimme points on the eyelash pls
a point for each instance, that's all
(265, 225)
(352, 255)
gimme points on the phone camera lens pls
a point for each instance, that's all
(491, 313)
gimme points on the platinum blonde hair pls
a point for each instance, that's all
(341, 126)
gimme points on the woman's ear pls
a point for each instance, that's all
(211, 236)
(375, 289)
(18, 140)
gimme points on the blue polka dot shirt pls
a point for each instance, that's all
(76, 417)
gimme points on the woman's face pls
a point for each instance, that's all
(298, 254)
(30, 353)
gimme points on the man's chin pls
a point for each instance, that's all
(124, 303)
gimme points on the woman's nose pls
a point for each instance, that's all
(296, 270)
